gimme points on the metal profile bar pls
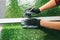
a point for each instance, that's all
(17, 20)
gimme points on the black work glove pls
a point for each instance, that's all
(31, 23)
(30, 11)
(34, 10)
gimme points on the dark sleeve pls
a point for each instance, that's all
(57, 2)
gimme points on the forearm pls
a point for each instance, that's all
(48, 5)
(50, 25)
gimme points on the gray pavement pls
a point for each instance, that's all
(2, 8)
(2, 12)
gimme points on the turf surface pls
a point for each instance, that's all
(16, 32)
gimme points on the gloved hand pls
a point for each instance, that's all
(31, 11)
(31, 23)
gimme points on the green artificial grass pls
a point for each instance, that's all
(16, 32)
(22, 34)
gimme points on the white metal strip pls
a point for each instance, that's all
(16, 20)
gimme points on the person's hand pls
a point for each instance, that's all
(31, 23)
(34, 10)
(30, 11)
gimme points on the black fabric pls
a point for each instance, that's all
(29, 12)
(34, 10)
(34, 22)
(57, 2)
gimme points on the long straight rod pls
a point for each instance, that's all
(18, 20)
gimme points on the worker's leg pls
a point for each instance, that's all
(50, 24)
(48, 5)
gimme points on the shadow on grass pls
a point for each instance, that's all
(51, 34)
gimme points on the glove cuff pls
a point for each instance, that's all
(38, 22)
(36, 10)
